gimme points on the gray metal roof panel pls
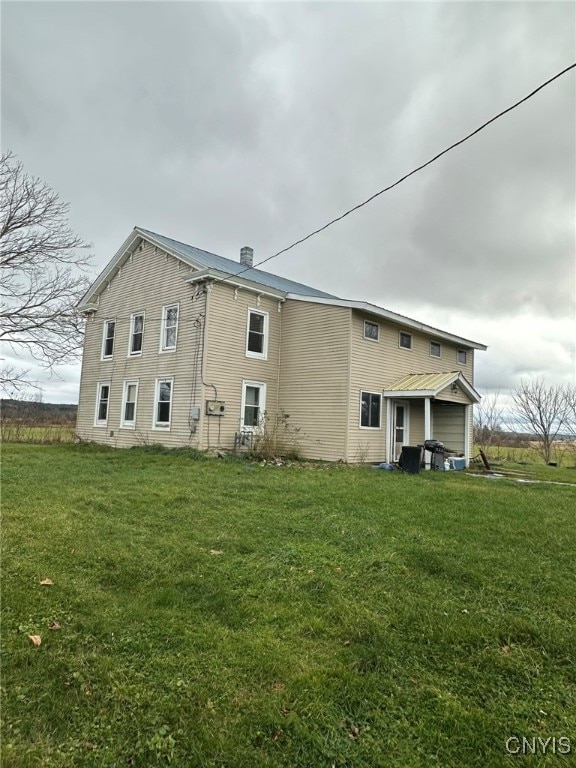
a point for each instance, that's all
(199, 258)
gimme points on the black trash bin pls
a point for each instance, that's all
(411, 458)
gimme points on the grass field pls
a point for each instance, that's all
(212, 612)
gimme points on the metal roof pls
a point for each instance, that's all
(430, 384)
(417, 381)
(199, 258)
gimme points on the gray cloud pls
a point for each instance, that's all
(232, 124)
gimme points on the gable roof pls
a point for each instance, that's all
(430, 384)
(210, 265)
(204, 259)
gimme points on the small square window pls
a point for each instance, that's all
(405, 340)
(371, 330)
(461, 355)
(435, 349)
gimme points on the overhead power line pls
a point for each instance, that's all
(403, 178)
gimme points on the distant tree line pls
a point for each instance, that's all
(34, 412)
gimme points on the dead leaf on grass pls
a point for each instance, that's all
(278, 686)
(505, 649)
(36, 640)
(46, 582)
(216, 552)
(54, 626)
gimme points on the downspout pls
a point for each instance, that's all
(280, 307)
(203, 367)
(346, 430)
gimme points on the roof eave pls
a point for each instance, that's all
(217, 275)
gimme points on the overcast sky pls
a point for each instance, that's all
(231, 124)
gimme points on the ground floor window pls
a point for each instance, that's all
(163, 403)
(129, 404)
(370, 409)
(102, 402)
(253, 404)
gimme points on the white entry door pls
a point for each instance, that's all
(400, 434)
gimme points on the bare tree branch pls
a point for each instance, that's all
(543, 410)
(43, 273)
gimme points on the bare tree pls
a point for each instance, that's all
(42, 273)
(543, 410)
(488, 417)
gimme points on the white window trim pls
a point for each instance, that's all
(407, 349)
(133, 317)
(163, 426)
(102, 422)
(262, 404)
(123, 423)
(437, 357)
(465, 353)
(165, 309)
(257, 355)
(369, 392)
(369, 338)
(104, 337)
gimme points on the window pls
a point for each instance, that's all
(102, 401)
(435, 349)
(129, 399)
(136, 334)
(405, 340)
(461, 355)
(370, 407)
(371, 330)
(253, 404)
(169, 328)
(257, 334)
(108, 340)
(163, 403)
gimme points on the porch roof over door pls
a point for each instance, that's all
(430, 385)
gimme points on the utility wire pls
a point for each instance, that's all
(403, 178)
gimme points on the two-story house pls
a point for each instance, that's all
(187, 348)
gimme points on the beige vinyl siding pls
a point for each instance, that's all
(375, 365)
(448, 425)
(227, 365)
(314, 376)
(147, 282)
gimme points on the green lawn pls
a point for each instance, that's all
(217, 613)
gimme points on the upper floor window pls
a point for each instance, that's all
(435, 349)
(405, 340)
(169, 328)
(102, 402)
(257, 334)
(108, 338)
(370, 408)
(136, 333)
(461, 355)
(371, 330)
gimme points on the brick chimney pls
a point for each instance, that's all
(246, 256)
